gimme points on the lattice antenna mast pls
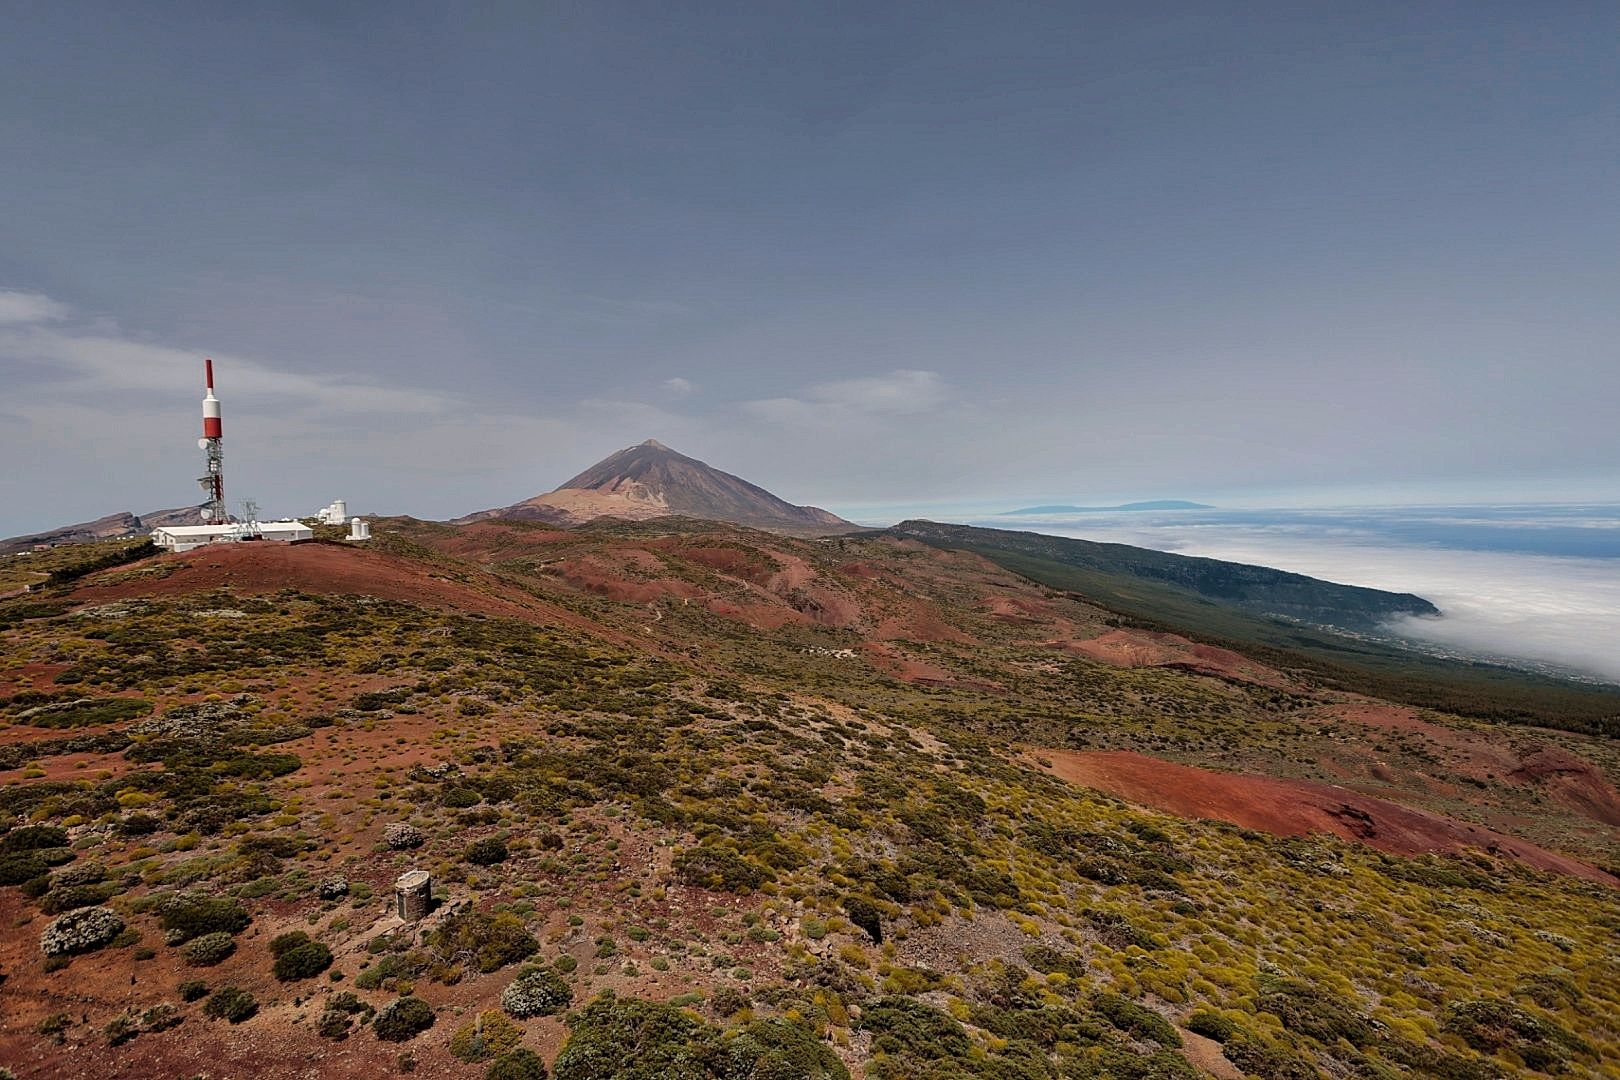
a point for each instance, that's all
(212, 446)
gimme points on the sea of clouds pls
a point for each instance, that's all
(1499, 575)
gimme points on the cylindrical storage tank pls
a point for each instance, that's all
(413, 895)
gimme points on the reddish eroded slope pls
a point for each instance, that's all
(1295, 808)
(1571, 780)
(1518, 757)
(1142, 648)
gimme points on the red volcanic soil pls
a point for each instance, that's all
(593, 576)
(1566, 778)
(486, 538)
(730, 561)
(1295, 808)
(1141, 648)
(331, 568)
(920, 623)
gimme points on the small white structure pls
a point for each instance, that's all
(285, 531)
(359, 529)
(191, 537)
(335, 514)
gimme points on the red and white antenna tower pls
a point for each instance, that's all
(211, 445)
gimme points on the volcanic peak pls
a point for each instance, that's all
(649, 480)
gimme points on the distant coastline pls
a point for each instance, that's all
(1156, 504)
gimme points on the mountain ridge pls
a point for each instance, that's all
(112, 526)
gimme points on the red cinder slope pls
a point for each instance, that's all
(1295, 808)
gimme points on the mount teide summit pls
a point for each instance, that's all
(649, 481)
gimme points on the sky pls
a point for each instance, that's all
(873, 257)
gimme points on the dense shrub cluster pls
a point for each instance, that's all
(489, 941)
(1491, 1025)
(84, 712)
(632, 1039)
(387, 972)
(720, 868)
(1137, 1020)
(1309, 1011)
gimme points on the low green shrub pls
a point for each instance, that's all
(302, 961)
(519, 1064)
(33, 838)
(1309, 1011)
(210, 949)
(488, 1035)
(188, 916)
(56, 901)
(290, 940)
(631, 1039)
(403, 1018)
(1137, 1020)
(486, 852)
(1211, 1026)
(230, 1003)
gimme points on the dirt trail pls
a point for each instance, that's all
(1295, 808)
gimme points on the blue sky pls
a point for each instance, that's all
(872, 256)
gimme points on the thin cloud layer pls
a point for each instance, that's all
(17, 308)
(900, 393)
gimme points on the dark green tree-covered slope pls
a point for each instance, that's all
(1259, 590)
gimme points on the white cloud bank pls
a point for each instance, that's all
(1556, 610)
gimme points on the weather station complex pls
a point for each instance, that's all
(218, 526)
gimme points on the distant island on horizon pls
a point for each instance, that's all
(1156, 504)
